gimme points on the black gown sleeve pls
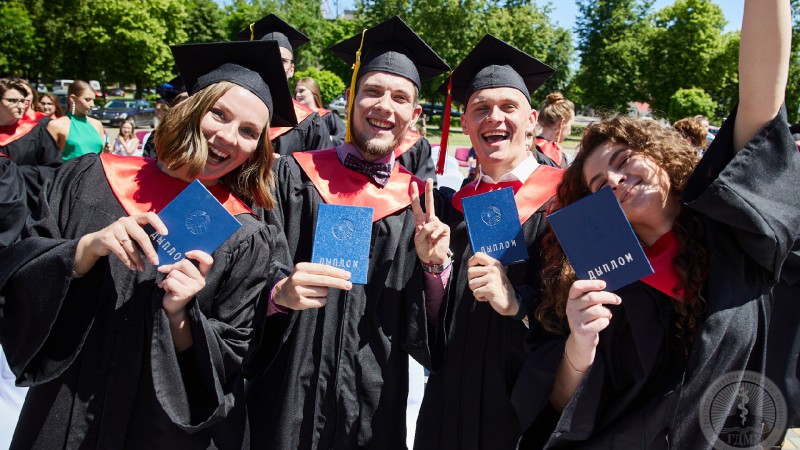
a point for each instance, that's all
(13, 209)
(310, 134)
(755, 192)
(336, 128)
(273, 331)
(45, 314)
(418, 161)
(221, 325)
(39, 164)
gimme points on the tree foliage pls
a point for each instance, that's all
(684, 45)
(330, 85)
(205, 21)
(453, 27)
(610, 35)
(690, 102)
(17, 38)
(793, 87)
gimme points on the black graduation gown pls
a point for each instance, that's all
(37, 156)
(13, 209)
(336, 128)
(640, 392)
(543, 159)
(337, 377)
(310, 134)
(783, 359)
(467, 401)
(97, 351)
(414, 153)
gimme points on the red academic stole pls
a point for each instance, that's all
(10, 133)
(540, 186)
(661, 256)
(37, 116)
(408, 141)
(338, 185)
(300, 110)
(323, 112)
(140, 186)
(550, 149)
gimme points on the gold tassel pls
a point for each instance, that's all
(348, 137)
(252, 31)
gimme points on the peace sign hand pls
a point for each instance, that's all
(432, 237)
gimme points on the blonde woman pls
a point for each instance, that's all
(126, 144)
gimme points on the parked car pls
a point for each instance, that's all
(338, 106)
(61, 87)
(116, 92)
(437, 110)
(116, 111)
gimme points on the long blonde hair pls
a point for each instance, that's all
(180, 142)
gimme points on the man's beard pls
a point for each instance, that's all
(372, 148)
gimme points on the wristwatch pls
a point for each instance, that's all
(438, 268)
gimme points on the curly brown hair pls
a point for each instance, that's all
(692, 129)
(672, 153)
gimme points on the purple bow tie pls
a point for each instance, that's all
(379, 173)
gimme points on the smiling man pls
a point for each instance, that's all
(467, 399)
(330, 365)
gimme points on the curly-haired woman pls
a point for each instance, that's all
(627, 369)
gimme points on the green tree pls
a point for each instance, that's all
(16, 39)
(453, 27)
(205, 21)
(690, 102)
(133, 39)
(793, 87)
(334, 32)
(687, 37)
(330, 85)
(610, 35)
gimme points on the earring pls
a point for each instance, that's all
(73, 108)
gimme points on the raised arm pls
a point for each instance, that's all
(764, 55)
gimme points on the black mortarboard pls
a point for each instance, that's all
(393, 47)
(272, 28)
(172, 89)
(250, 65)
(494, 63)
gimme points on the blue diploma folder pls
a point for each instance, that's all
(195, 220)
(599, 241)
(493, 226)
(342, 239)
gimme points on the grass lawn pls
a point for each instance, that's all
(459, 139)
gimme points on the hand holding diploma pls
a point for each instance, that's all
(307, 287)
(118, 238)
(489, 283)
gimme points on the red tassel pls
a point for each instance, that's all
(445, 127)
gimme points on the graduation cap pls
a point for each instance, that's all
(172, 88)
(391, 47)
(250, 65)
(491, 64)
(272, 28)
